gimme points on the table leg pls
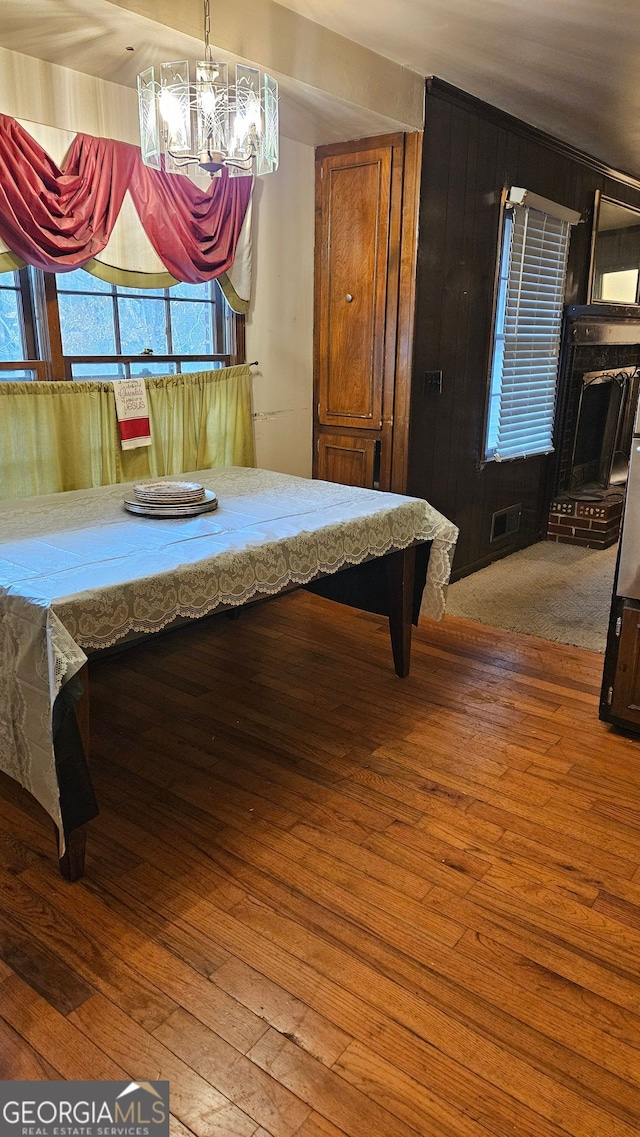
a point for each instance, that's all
(400, 578)
(82, 711)
(72, 863)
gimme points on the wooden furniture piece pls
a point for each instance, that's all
(366, 238)
(396, 573)
(78, 576)
(625, 702)
(620, 695)
(72, 860)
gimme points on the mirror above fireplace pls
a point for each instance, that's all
(615, 261)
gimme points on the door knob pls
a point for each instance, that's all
(348, 298)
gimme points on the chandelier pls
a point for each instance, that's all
(208, 124)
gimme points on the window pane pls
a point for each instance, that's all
(142, 325)
(189, 365)
(23, 375)
(191, 291)
(80, 281)
(97, 371)
(12, 345)
(139, 292)
(86, 323)
(148, 370)
(191, 328)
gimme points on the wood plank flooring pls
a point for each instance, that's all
(324, 901)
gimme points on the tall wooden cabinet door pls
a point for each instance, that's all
(350, 460)
(625, 703)
(357, 254)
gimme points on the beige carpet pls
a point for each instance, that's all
(558, 592)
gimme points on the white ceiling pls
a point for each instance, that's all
(569, 67)
(92, 36)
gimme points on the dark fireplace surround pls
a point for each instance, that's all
(598, 392)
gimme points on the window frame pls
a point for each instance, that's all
(29, 327)
(37, 365)
(43, 335)
(486, 459)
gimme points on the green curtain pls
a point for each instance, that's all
(64, 436)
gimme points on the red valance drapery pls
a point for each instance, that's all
(59, 218)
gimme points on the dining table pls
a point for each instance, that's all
(79, 574)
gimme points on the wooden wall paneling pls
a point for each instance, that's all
(583, 190)
(507, 164)
(483, 479)
(426, 405)
(451, 429)
(440, 88)
(466, 364)
(442, 404)
(491, 164)
(613, 186)
(580, 254)
(535, 166)
(471, 151)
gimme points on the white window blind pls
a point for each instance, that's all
(533, 266)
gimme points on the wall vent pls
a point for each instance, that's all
(505, 522)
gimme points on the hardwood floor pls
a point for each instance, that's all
(321, 900)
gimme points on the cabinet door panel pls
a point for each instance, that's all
(626, 686)
(354, 255)
(349, 460)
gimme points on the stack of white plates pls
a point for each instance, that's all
(169, 493)
(170, 499)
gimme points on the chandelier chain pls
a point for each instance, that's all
(207, 30)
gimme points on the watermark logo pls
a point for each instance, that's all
(84, 1109)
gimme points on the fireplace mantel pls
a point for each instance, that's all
(602, 324)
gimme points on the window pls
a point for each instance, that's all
(528, 320)
(85, 328)
(12, 334)
(16, 329)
